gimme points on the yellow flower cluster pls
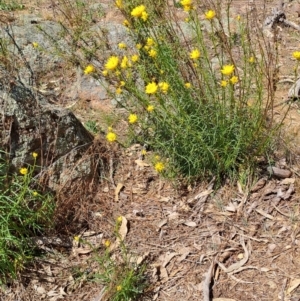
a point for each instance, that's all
(152, 87)
(140, 12)
(164, 87)
(186, 4)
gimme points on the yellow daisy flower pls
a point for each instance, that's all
(151, 88)
(144, 16)
(137, 12)
(227, 69)
(119, 3)
(112, 63)
(152, 53)
(134, 58)
(195, 54)
(111, 137)
(23, 171)
(150, 42)
(150, 108)
(122, 45)
(164, 87)
(159, 166)
(252, 59)
(210, 14)
(89, 69)
(234, 80)
(296, 55)
(132, 118)
(188, 85)
(223, 83)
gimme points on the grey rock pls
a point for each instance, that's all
(30, 124)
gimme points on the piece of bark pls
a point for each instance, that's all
(278, 172)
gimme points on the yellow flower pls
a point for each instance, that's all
(105, 72)
(119, 219)
(118, 91)
(134, 58)
(238, 17)
(151, 88)
(76, 238)
(137, 12)
(132, 118)
(119, 287)
(227, 69)
(111, 137)
(122, 45)
(187, 85)
(107, 243)
(144, 16)
(124, 62)
(122, 83)
(186, 2)
(210, 14)
(112, 63)
(35, 44)
(23, 171)
(296, 55)
(234, 80)
(144, 152)
(252, 59)
(152, 53)
(35, 193)
(119, 3)
(223, 83)
(150, 42)
(138, 46)
(109, 129)
(159, 166)
(34, 155)
(89, 69)
(126, 23)
(187, 7)
(150, 108)
(195, 54)
(164, 87)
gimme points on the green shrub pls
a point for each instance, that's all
(25, 212)
(200, 98)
